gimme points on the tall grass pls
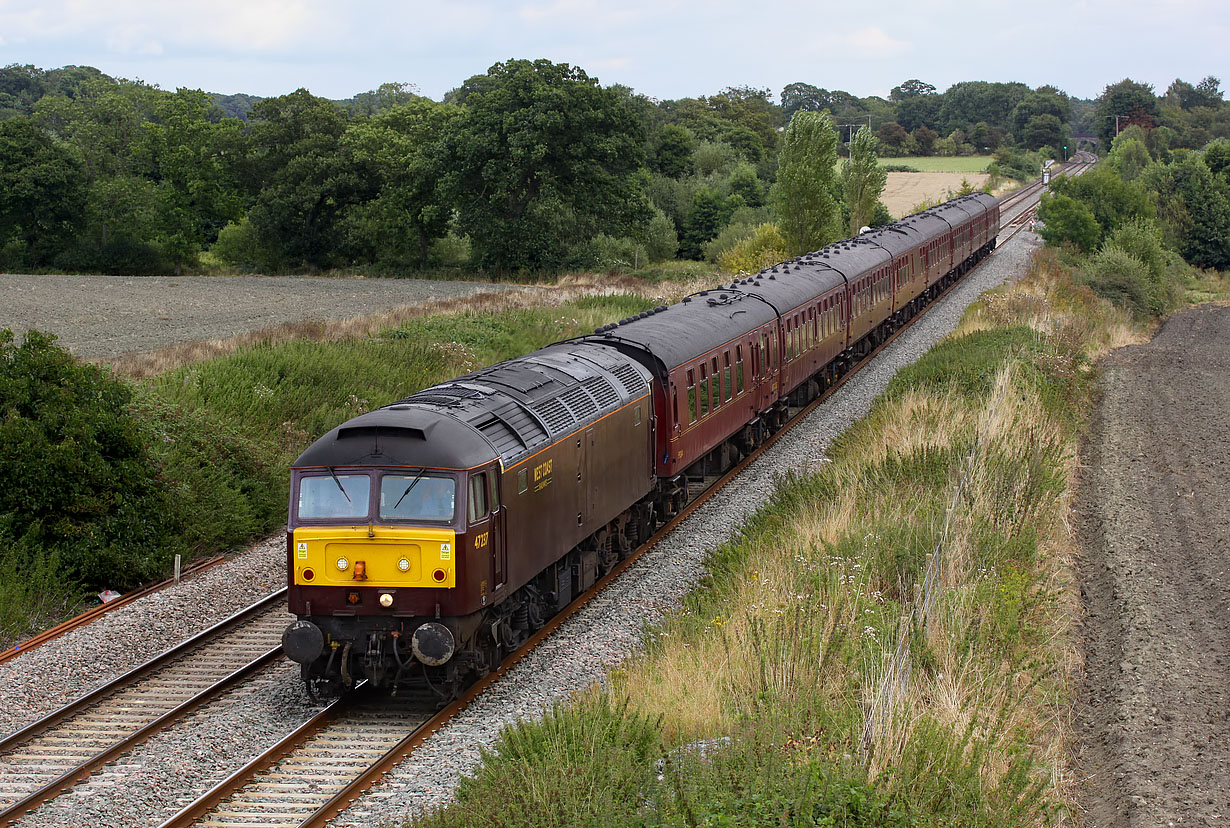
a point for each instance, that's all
(887, 642)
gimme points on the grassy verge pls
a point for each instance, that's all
(885, 644)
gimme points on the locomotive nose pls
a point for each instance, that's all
(303, 642)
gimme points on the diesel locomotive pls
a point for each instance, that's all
(429, 538)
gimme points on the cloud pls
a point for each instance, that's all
(872, 42)
(588, 13)
(152, 27)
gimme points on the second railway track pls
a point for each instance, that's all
(45, 759)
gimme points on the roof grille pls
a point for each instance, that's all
(554, 414)
(602, 391)
(580, 403)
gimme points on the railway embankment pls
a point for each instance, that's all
(892, 638)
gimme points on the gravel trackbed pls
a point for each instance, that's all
(1153, 712)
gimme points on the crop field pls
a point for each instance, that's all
(940, 163)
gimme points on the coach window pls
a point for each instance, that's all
(691, 396)
(704, 391)
(728, 389)
(738, 369)
(476, 507)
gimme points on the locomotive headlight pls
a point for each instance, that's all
(386, 600)
(343, 564)
(403, 565)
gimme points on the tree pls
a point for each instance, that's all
(193, 158)
(1064, 219)
(673, 157)
(744, 183)
(1045, 100)
(305, 179)
(401, 150)
(803, 195)
(704, 221)
(925, 137)
(862, 179)
(892, 134)
(1112, 200)
(543, 155)
(1205, 93)
(803, 96)
(1193, 207)
(383, 98)
(1044, 131)
(969, 102)
(1129, 157)
(42, 191)
(1132, 102)
(913, 88)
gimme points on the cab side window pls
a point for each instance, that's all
(476, 506)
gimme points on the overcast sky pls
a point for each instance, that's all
(661, 48)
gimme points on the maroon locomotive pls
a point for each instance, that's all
(429, 538)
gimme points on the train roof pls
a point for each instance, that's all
(509, 410)
(679, 333)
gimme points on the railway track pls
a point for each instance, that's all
(45, 759)
(1014, 224)
(94, 612)
(300, 782)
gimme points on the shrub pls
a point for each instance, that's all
(450, 250)
(238, 246)
(1141, 239)
(1067, 220)
(604, 252)
(765, 246)
(658, 237)
(78, 481)
(1126, 281)
(591, 764)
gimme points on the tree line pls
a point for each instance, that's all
(531, 166)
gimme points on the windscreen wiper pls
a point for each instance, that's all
(340, 488)
(408, 488)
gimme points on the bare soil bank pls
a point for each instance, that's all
(106, 316)
(1153, 712)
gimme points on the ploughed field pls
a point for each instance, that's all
(1153, 712)
(98, 317)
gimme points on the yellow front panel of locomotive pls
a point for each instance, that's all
(334, 554)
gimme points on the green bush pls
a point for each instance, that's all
(1065, 219)
(606, 253)
(658, 236)
(1126, 282)
(238, 246)
(764, 247)
(450, 250)
(1143, 240)
(78, 480)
